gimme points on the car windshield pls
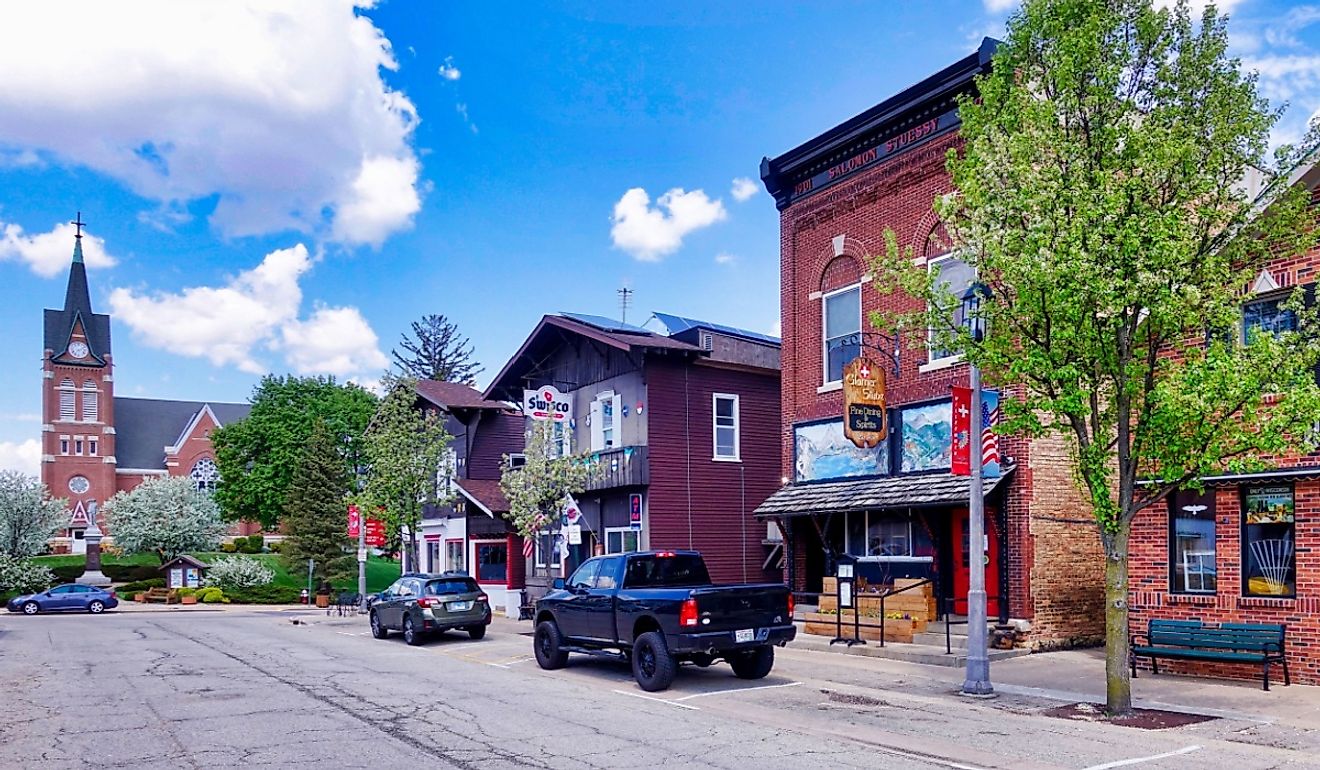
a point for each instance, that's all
(679, 570)
(452, 586)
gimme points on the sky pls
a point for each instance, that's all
(285, 186)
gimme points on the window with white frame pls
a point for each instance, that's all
(517, 460)
(66, 400)
(622, 540)
(726, 427)
(605, 427)
(89, 402)
(64, 445)
(447, 472)
(454, 555)
(91, 446)
(954, 276)
(78, 445)
(885, 535)
(843, 330)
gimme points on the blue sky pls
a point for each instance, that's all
(285, 189)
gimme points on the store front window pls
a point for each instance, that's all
(492, 562)
(1192, 566)
(1268, 534)
(886, 535)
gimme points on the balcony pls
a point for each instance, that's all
(622, 467)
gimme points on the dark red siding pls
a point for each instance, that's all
(695, 501)
(496, 435)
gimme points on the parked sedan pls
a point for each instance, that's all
(419, 604)
(70, 596)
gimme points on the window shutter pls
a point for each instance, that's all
(597, 427)
(618, 420)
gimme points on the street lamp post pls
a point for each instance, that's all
(351, 451)
(977, 683)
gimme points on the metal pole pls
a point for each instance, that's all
(362, 562)
(978, 656)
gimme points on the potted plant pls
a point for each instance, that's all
(323, 595)
(187, 596)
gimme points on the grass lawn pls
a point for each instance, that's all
(380, 572)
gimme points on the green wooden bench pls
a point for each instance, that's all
(1253, 643)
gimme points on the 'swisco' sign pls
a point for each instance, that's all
(547, 403)
(864, 403)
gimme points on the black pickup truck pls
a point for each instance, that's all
(658, 609)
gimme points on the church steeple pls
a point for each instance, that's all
(76, 317)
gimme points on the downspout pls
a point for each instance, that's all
(687, 430)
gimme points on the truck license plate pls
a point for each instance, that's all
(459, 606)
(744, 635)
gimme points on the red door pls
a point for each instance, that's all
(990, 553)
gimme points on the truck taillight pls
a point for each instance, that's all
(665, 555)
(790, 605)
(687, 616)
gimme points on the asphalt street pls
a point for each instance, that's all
(238, 688)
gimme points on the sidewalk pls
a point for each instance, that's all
(126, 606)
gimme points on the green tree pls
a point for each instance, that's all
(1099, 198)
(316, 512)
(408, 462)
(436, 351)
(29, 516)
(256, 456)
(538, 491)
(167, 516)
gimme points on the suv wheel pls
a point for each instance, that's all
(377, 630)
(548, 645)
(653, 667)
(410, 635)
(477, 632)
(96, 607)
(753, 664)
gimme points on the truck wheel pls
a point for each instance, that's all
(753, 664)
(653, 667)
(548, 645)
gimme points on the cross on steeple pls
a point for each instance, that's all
(78, 226)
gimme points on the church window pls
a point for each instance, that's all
(205, 475)
(66, 400)
(78, 445)
(91, 447)
(89, 405)
(64, 445)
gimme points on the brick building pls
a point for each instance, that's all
(896, 506)
(95, 443)
(1247, 550)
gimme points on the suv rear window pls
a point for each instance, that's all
(676, 571)
(451, 586)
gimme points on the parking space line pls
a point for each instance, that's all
(658, 700)
(1140, 760)
(737, 689)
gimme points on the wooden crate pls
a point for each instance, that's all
(895, 630)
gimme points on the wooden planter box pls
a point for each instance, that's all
(920, 608)
(822, 624)
(187, 600)
(323, 600)
(139, 597)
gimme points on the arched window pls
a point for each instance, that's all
(66, 400)
(89, 406)
(841, 316)
(205, 475)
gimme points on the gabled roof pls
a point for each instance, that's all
(185, 559)
(485, 494)
(145, 426)
(454, 395)
(553, 328)
(677, 324)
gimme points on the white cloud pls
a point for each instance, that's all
(725, 258)
(651, 233)
(335, 340)
(279, 111)
(462, 109)
(999, 6)
(48, 254)
(1195, 7)
(777, 329)
(21, 416)
(448, 71)
(743, 189)
(22, 456)
(256, 310)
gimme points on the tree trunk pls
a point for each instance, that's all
(1118, 682)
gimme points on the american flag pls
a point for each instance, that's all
(989, 441)
(529, 543)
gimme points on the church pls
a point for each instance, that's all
(95, 443)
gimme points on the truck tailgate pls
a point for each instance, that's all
(742, 607)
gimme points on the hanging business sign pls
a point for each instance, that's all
(547, 403)
(635, 512)
(864, 403)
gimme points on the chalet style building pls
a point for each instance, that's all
(472, 534)
(678, 421)
(95, 443)
(895, 506)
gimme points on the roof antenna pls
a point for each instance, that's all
(625, 299)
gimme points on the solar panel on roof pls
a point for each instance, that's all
(605, 324)
(678, 324)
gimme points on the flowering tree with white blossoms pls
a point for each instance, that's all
(238, 572)
(539, 489)
(29, 516)
(167, 516)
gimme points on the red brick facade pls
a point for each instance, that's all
(1051, 557)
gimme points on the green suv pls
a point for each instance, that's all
(420, 604)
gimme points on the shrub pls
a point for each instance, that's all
(140, 585)
(21, 576)
(209, 595)
(275, 546)
(182, 592)
(67, 573)
(252, 544)
(238, 572)
(129, 572)
(268, 594)
(228, 547)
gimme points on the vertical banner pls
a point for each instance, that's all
(962, 433)
(960, 463)
(353, 521)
